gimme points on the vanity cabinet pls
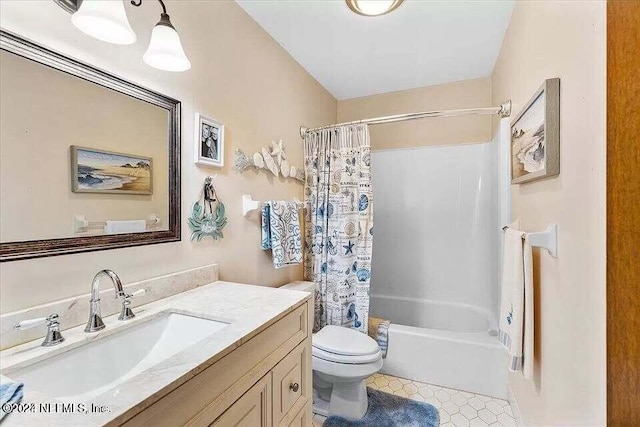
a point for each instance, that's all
(264, 381)
(280, 398)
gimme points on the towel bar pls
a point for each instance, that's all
(249, 205)
(80, 223)
(547, 239)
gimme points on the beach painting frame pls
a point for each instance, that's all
(101, 171)
(535, 136)
(209, 142)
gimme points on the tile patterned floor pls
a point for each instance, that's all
(457, 408)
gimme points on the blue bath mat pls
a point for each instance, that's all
(387, 410)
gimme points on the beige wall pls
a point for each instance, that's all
(35, 139)
(435, 131)
(566, 40)
(241, 77)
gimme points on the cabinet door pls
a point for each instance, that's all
(291, 390)
(253, 409)
(300, 420)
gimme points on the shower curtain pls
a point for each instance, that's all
(339, 224)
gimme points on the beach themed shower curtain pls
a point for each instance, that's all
(339, 224)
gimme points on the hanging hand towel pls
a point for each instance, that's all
(117, 227)
(516, 308)
(283, 233)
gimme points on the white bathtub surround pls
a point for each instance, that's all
(339, 224)
(437, 264)
(247, 310)
(74, 311)
(437, 225)
(516, 309)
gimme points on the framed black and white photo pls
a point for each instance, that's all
(535, 136)
(209, 149)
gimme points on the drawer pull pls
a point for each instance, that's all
(294, 387)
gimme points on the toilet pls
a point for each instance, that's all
(342, 360)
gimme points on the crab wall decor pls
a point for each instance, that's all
(272, 159)
(209, 218)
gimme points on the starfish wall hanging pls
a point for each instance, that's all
(273, 159)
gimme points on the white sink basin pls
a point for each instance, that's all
(93, 368)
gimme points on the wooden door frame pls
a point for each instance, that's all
(623, 213)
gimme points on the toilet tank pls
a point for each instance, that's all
(300, 285)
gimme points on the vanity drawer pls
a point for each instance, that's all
(290, 385)
(202, 399)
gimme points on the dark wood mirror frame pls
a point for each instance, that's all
(11, 251)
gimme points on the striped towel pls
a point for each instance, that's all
(516, 308)
(379, 331)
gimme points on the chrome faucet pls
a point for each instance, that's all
(53, 336)
(95, 322)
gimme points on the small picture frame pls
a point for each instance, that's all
(535, 136)
(209, 142)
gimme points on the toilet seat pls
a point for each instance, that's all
(343, 345)
(341, 358)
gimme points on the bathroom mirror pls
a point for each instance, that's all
(88, 161)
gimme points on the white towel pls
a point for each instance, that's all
(516, 308)
(116, 227)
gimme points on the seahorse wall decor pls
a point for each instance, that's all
(272, 159)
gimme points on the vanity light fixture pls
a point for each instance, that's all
(106, 20)
(165, 51)
(373, 7)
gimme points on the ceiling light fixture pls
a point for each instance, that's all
(106, 20)
(373, 7)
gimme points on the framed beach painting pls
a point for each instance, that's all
(535, 136)
(209, 142)
(100, 171)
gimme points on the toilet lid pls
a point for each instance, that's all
(345, 360)
(344, 341)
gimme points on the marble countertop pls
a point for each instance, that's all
(248, 310)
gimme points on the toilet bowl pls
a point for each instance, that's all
(342, 360)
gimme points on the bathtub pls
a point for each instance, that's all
(448, 344)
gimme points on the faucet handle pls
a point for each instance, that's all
(126, 312)
(30, 323)
(53, 336)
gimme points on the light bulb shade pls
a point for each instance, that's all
(373, 7)
(105, 20)
(165, 50)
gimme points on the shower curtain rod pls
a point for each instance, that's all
(504, 110)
